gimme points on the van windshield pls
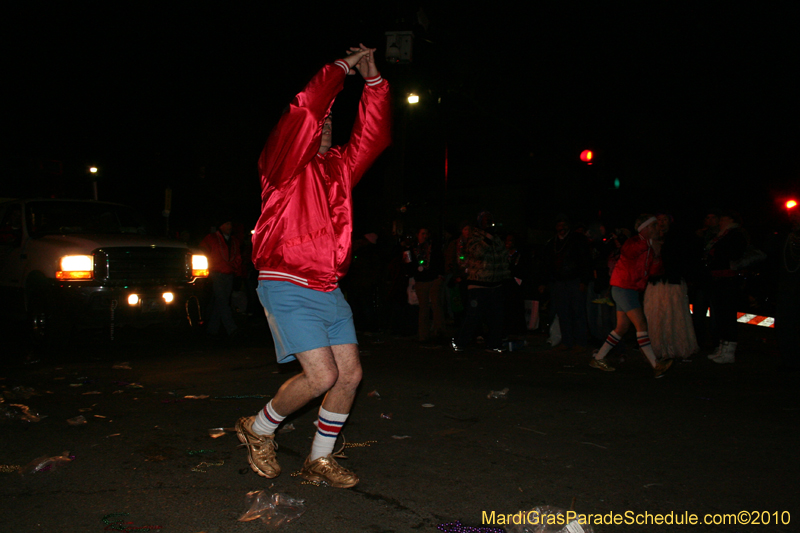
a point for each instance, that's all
(74, 217)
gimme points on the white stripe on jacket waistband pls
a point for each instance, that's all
(281, 276)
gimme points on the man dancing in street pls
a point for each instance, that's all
(301, 248)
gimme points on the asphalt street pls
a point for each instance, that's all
(429, 444)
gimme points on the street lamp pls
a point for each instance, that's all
(93, 175)
(413, 98)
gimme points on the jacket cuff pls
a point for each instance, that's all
(344, 65)
(372, 82)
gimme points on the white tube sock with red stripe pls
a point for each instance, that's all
(644, 344)
(267, 421)
(611, 341)
(328, 427)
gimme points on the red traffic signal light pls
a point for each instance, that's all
(586, 156)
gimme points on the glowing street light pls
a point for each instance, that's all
(93, 173)
(413, 98)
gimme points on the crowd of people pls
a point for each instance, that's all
(477, 283)
(594, 283)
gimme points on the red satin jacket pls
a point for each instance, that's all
(303, 234)
(637, 262)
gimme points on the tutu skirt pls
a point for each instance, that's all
(669, 322)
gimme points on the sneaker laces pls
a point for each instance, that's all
(261, 443)
(333, 467)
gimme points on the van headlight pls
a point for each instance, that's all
(199, 266)
(76, 267)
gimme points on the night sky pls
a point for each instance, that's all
(689, 107)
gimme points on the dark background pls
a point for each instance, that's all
(687, 106)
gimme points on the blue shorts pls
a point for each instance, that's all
(302, 319)
(626, 299)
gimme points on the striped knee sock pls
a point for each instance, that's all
(267, 421)
(328, 427)
(644, 344)
(611, 341)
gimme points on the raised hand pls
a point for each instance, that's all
(354, 57)
(366, 64)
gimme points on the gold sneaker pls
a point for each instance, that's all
(260, 449)
(601, 365)
(660, 368)
(326, 469)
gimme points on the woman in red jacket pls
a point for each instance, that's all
(640, 258)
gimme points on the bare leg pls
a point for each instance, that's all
(623, 323)
(336, 409)
(637, 317)
(340, 397)
(319, 375)
(332, 369)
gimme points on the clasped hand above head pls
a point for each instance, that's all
(362, 59)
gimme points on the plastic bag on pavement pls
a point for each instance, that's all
(274, 510)
(547, 519)
(77, 421)
(46, 464)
